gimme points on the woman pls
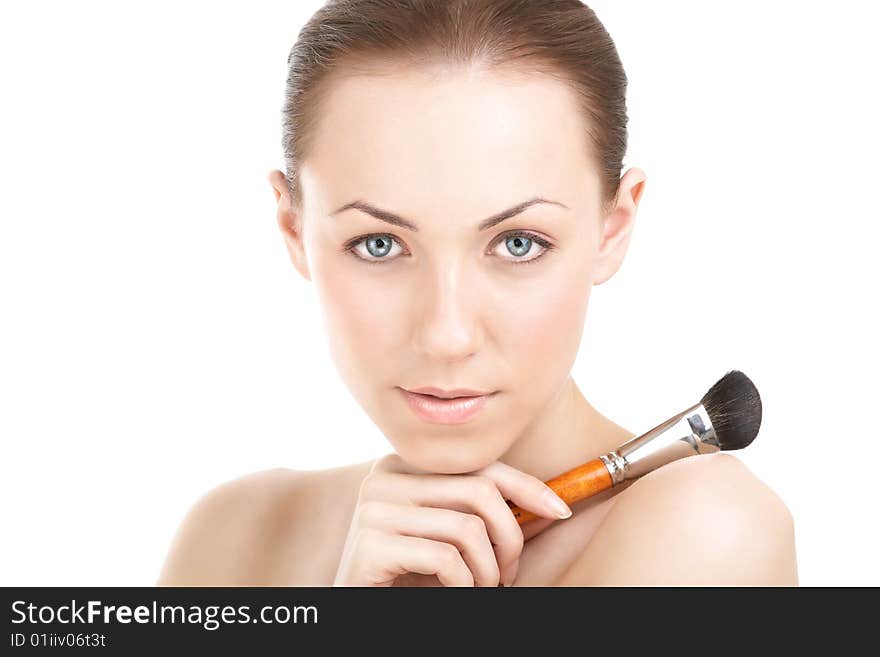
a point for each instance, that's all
(453, 190)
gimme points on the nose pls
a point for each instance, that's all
(448, 327)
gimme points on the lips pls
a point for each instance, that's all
(455, 410)
(449, 394)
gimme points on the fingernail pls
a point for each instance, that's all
(556, 504)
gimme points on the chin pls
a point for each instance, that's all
(445, 459)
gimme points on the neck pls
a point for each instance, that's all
(568, 433)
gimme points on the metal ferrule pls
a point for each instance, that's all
(688, 433)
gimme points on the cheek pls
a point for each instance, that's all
(361, 321)
(355, 308)
(546, 326)
(540, 335)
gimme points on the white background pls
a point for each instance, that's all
(155, 340)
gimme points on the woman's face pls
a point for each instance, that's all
(448, 303)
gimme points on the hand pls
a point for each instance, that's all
(457, 527)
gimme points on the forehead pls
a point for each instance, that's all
(458, 133)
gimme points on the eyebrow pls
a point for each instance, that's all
(391, 218)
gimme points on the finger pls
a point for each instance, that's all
(459, 492)
(509, 481)
(525, 490)
(521, 488)
(412, 554)
(466, 531)
(506, 550)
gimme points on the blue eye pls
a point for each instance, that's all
(520, 243)
(378, 246)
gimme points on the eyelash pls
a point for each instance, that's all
(349, 247)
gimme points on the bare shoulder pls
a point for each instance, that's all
(701, 520)
(234, 533)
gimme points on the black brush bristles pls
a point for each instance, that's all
(734, 407)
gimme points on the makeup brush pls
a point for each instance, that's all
(728, 417)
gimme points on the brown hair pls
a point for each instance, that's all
(562, 38)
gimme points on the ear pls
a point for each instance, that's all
(290, 222)
(617, 226)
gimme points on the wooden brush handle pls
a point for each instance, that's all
(578, 483)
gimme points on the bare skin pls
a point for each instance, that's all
(262, 529)
(451, 305)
